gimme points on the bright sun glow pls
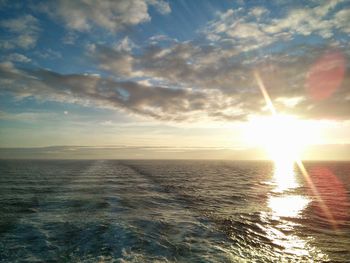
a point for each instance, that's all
(283, 137)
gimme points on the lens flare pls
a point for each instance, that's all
(325, 76)
(331, 191)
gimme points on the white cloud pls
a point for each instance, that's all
(244, 31)
(304, 22)
(49, 54)
(290, 102)
(342, 19)
(82, 15)
(26, 116)
(24, 32)
(125, 45)
(258, 11)
(16, 57)
(70, 38)
(107, 123)
(156, 39)
(162, 6)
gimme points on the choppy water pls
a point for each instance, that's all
(173, 211)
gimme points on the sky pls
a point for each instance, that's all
(171, 79)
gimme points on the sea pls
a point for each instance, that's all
(174, 211)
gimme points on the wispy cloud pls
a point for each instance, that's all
(23, 32)
(258, 27)
(128, 152)
(107, 14)
(16, 57)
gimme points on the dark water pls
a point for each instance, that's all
(173, 211)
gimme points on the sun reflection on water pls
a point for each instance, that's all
(287, 206)
(284, 177)
(285, 203)
(284, 140)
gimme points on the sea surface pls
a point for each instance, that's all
(173, 211)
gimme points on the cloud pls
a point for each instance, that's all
(258, 11)
(317, 152)
(131, 152)
(70, 38)
(187, 64)
(107, 123)
(306, 21)
(83, 15)
(126, 44)
(117, 60)
(16, 57)
(185, 82)
(255, 28)
(177, 81)
(28, 117)
(342, 19)
(156, 39)
(23, 32)
(162, 6)
(226, 78)
(48, 54)
(152, 101)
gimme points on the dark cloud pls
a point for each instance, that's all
(157, 102)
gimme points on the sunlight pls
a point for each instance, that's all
(288, 206)
(284, 204)
(283, 137)
(284, 176)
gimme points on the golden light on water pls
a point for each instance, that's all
(282, 203)
(287, 206)
(284, 177)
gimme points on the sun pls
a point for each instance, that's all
(283, 137)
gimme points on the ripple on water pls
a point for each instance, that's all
(169, 211)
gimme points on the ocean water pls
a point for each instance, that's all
(173, 211)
